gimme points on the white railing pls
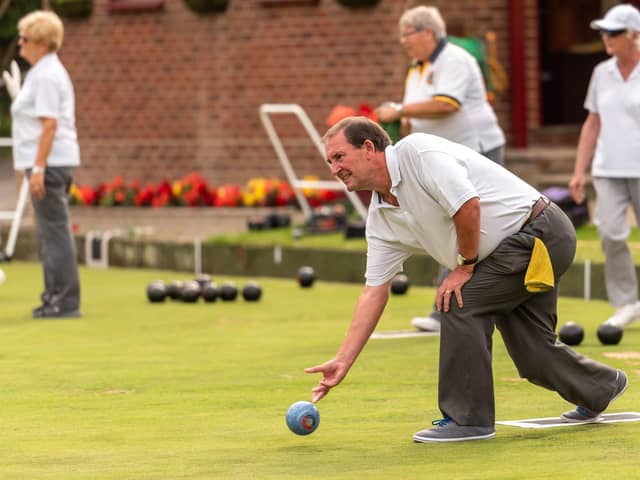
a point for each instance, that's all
(14, 215)
(297, 184)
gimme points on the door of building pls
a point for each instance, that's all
(569, 49)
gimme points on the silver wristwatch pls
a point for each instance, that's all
(461, 260)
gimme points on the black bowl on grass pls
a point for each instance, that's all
(571, 334)
(306, 276)
(400, 284)
(190, 292)
(156, 291)
(228, 292)
(252, 292)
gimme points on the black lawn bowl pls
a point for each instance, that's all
(174, 289)
(355, 230)
(252, 292)
(609, 334)
(190, 292)
(256, 224)
(571, 334)
(306, 276)
(400, 284)
(156, 291)
(209, 292)
(228, 292)
(278, 220)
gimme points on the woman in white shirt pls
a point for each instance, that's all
(611, 136)
(45, 146)
(444, 95)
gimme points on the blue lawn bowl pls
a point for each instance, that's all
(303, 418)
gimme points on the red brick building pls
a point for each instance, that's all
(167, 91)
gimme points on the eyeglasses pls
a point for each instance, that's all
(612, 33)
(408, 34)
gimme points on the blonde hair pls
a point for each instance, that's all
(44, 27)
(424, 18)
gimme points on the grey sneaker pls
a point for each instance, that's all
(584, 415)
(446, 430)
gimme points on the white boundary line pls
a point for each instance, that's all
(402, 334)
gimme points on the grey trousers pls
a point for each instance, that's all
(614, 195)
(56, 245)
(496, 296)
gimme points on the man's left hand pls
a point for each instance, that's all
(452, 285)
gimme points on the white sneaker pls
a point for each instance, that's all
(625, 315)
(3, 277)
(426, 324)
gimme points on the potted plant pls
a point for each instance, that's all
(72, 8)
(208, 6)
(358, 3)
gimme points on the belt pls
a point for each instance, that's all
(537, 209)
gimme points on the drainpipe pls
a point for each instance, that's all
(518, 78)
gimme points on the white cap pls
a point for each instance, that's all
(620, 17)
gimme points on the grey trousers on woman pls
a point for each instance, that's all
(496, 296)
(56, 245)
(614, 196)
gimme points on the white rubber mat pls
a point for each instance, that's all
(559, 422)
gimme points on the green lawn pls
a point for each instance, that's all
(175, 391)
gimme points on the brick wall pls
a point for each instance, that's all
(161, 94)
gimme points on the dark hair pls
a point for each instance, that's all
(357, 130)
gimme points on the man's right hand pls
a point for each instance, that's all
(333, 372)
(13, 79)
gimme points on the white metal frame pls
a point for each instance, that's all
(297, 184)
(104, 238)
(14, 215)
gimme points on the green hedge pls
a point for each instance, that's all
(16, 10)
(73, 8)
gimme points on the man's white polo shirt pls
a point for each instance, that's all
(432, 178)
(453, 75)
(47, 92)
(618, 103)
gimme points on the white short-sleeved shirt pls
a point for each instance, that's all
(47, 92)
(618, 103)
(432, 178)
(453, 75)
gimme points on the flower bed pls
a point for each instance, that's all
(194, 191)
